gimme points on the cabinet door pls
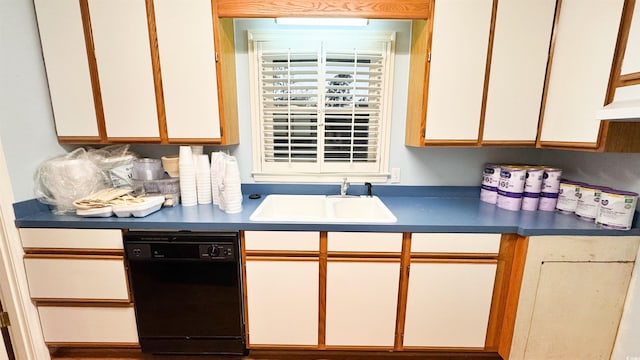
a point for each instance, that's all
(631, 61)
(66, 324)
(457, 69)
(362, 300)
(577, 310)
(91, 239)
(76, 277)
(65, 55)
(282, 302)
(123, 57)
(448, 304)
(580, 69)
(188, 65)
(521, 43)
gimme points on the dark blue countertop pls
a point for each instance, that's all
(417, 208)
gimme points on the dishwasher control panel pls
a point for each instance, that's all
(185, 251)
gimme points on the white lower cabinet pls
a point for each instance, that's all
(78, 281)
(88, 325)
(572, 296)
(448, 304)
(362, 299)
(282, 301)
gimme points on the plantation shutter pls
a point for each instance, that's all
(321, 106)
(352, 106)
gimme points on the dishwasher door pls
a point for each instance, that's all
(187, 292)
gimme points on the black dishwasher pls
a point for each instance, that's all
(187, 291)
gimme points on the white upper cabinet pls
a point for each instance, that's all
(121, 41)
(521, 43)
(65, 55)
(631, 60)
(582, 56)
(457, 69)
(188, 67)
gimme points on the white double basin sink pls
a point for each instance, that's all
(323, 208)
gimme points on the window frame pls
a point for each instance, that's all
(295, 172)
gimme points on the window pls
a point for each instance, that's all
(321, 104)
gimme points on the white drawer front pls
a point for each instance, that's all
(282, 240)
(88, 324)
(71, 238)
(365, 242)
(455, 243)
(77, 278)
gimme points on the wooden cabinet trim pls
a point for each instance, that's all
(353, 254)
(360, 348)
(545, 91)
(567, 145)
(322, 291)
(73, 256)
(487, 71)
(421, 31)
(461, 256)
(629, 79)
(80, 139)
(95, 80)
(508, 254)
(71, 251)
(447, 142)
(376, 9)
(134, 140)
(512, 296)
(281, 253)
(64, 302)
(403, 291)
(224, 39)
(100, 345)
(617, 79)
(510, 143)
(157, 72)
(208, 141)
(453, 261)
(364, 260)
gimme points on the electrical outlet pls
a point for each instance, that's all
(395, 175)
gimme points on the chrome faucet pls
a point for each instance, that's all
(344, 187)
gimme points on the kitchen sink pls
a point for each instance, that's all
(323, 208)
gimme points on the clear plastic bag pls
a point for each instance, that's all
(116, 161)
(61, 180)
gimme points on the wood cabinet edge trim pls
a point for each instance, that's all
(378, 9)
(512, 297)
(545, 89)
(157, 70)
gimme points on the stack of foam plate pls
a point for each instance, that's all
(142, 208)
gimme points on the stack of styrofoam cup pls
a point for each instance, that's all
(217, 175)
(231, 196)
(203, 179)
(188, 190)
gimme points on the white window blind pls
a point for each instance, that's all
(321, 106)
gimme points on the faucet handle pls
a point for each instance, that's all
(368, 185)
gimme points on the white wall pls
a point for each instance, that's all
(26, 121)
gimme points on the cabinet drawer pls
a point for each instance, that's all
(71, 238)
(282, 240)
(75, 277)
(62, 324)
(455, 243)
(364, 242)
